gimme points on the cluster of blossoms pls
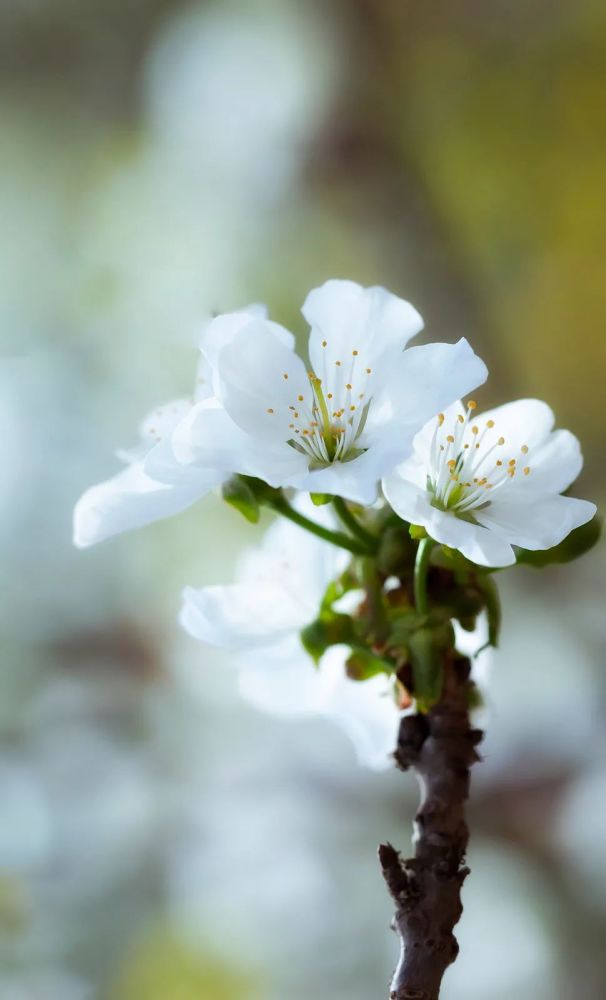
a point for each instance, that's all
(393, 478)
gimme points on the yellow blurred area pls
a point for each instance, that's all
(162, 968)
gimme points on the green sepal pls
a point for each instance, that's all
(363, 664)
(320, 499)
(417, 532)
(238, 493)
(317, 637)
(492, 603)
(576, 544)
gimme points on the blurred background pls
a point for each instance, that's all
(161, 840)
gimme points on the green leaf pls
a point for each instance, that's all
(427, 671)
(576, 544)
(325, 632)
(238, 493)
(363, 664)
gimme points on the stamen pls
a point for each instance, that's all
(527, 470)
(269, 409)
(524, 449)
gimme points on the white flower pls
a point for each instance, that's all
(279, 589)
(340, 426)
(481, 484)
(155, 484)
(257, 411)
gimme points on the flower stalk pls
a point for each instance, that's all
(338, 538)
(420, 576)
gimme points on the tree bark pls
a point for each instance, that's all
(440, 748)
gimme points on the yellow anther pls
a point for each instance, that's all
(512, 461)
(348, 385)
(475, 429)
(450, 438)
(466, 446)
(477, 446)
(369, 371)
(269, 409)
(451, 463)
(461, 418)
(527, 470)
(440, 415)
(501, 441)
(337, 363)
(355, 353)
(296, 415)
(329, 395)
(324, 343)
(472, 405)
(499, 462)
(490, 423)
(524, 449)
(285, 375)
(300, 398)
(352, 407)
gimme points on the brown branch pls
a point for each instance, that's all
(440, 748)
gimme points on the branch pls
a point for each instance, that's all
(440, 748)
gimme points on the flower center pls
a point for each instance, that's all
(327, 421)
(468, 464)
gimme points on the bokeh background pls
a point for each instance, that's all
(160, 840)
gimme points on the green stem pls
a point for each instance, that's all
(281, 506)
(351, 522)
(421, 566)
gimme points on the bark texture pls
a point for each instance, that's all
(440, 748)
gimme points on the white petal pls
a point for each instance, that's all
(405, 494)
(207, 436)
(240, 616)
(521, 422)
(131, 500)
(222, 329)
(281, 679)
(350, 318)
(301, 564)
(252, 387)
(554, 465)
(540, 524)
(477, 543)
(425, 381)
(366, 710)
(423, 440)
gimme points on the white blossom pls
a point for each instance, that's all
(258, 411)
(484, 483)
(341, 423)
(278, 591)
